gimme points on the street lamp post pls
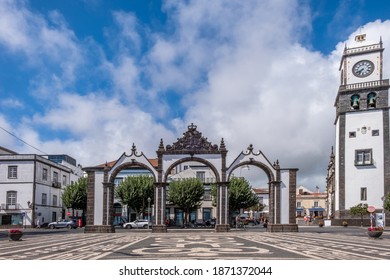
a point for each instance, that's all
(149, 199)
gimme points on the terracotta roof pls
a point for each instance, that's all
(153, 162)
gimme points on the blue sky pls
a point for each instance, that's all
(89, 78)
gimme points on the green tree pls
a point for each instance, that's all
(240, 195)
(75, 195)
(360, 209)
(386, 203)
(134, 192)
(186, 194)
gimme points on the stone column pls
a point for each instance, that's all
(271, 213)
(222, 208)
(159, 208)
(90, 198)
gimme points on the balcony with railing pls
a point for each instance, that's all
(4, 206)
(365, 85)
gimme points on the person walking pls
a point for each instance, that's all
(38, 223)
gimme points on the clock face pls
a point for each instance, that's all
(363, 68)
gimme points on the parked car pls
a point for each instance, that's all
(63, 224)
(140, 223)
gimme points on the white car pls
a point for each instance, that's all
(140, 223)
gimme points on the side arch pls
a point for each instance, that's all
(126, 165)
(265, 168)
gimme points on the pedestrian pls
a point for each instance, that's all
(237, 220)
(38, 223)
(305, 219)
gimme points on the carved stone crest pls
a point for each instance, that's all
(192, 142)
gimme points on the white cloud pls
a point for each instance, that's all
(48, 46)
(238, 68)
(100, 128)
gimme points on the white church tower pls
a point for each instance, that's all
(362, 152)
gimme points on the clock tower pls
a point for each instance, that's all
(362, 152)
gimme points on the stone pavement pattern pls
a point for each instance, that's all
(196, 245)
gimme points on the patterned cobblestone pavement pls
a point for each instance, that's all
(140, 245)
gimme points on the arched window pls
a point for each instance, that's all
(355, 101)
(371, 100)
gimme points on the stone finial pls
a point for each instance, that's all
(133, 149)
(250, 148)
(222, 146)
(161, 146)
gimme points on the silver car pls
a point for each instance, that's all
(140, 223)
(63, 224)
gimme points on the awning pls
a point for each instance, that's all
(316, 209)
(299, 209)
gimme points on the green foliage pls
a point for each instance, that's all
(241, 194)
(360, 209)
(134, 192)
(186, 194)
(386, 203)
(75, 195)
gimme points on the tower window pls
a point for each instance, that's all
(363, 193)
(355, 101)
(363, 157)
(371, 100)
(352, 134)
(375, 132)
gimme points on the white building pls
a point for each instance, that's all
(362, 151)
(31, 187)
(193, 170)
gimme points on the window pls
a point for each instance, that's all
(11, 198)
(12, 172)
(363, 193)
(315, 203)
(44, 199)
(352, 134)
(55, 177)
(207, 194)
(44, 174)
(299, 204)
(375, 132)
(201, 175)
(363, 157)
(64, 180)
(54, 200)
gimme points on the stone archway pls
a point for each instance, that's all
(281, 188)
(192, 146)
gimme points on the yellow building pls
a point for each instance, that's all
(310, 203)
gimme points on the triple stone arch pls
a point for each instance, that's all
(193, 147)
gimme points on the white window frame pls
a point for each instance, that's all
(363, 157)
(12, 172)
(12, 197)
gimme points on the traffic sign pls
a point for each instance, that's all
(371, 209)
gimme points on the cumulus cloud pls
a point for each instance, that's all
(236, 69)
